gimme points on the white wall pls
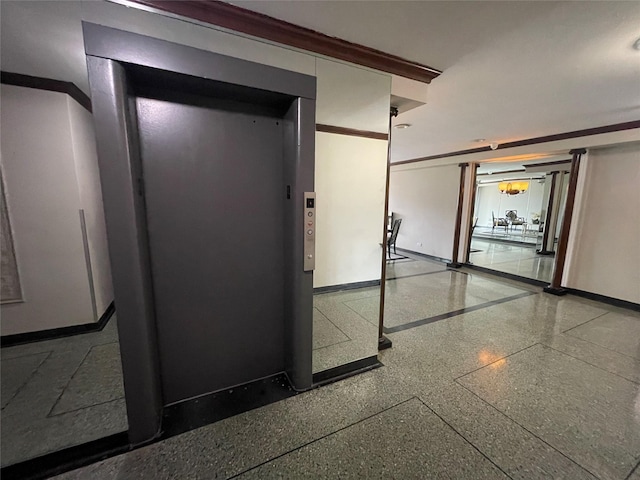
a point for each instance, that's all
(44, 203)
(88, 176)
(350, 188)
(347, 96)
(490, 199)
(350, 174)
(426, 199)
(604, 255)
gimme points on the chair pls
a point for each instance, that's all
(473, 225)
(394, 235)
(514, 219)
(390, 219)
(499, 222)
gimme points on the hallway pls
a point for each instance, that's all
(487, 378)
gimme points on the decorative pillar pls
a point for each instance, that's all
(555, 287)
(384, 342)
(456, 235)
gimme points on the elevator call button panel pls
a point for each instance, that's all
(309, 231)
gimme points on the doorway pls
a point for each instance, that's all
(205, 161)
(517, 217)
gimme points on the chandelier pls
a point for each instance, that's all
(513, 188)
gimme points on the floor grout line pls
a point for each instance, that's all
(591, 364)
(464, 438)
(637, 467)
(602, 346)
(455, 313)
(584, 323)
(528, 431)
(331, 322)
(84, 408)
(69, 382)
(417, 275)
(323, 437)
(333, 344)
(497, 360)
(35, 370)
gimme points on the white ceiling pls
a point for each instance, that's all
(512, 70)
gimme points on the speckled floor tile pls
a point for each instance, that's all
(635, 475)
(16, 372)
(613, 362)
(239, 443)
(516, 451)
(615, 331)
(70, 387)
(414, 267)
(391, 444)
(362, 336)
(416, 298)
(512, 258)
(24, 440)
(325, 333)
(97, 380)
(586, 413)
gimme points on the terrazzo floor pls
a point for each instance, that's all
(60, 393)
(515, 384)
(520, 260)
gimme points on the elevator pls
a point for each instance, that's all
(206, 167)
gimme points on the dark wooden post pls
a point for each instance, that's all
(473, 168)
(555, 287)
(384, 342)
(456, 235)
(547, 224)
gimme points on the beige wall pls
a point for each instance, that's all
(426, 200)
(88, 176)
(604, 255)
(350, 188)
(44, 202)
(348, 96)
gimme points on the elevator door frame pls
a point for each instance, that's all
(111, 57)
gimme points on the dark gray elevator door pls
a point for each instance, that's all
(214, 200)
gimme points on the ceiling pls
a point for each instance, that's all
(511, 69)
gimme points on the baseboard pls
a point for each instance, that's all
(346, 286)
(604, 299)
(510, 276)
(424, 255)
(344, 371)
(42, 335)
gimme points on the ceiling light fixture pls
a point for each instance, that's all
(402, 125)
(513, 188)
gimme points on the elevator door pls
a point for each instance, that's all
(214, 193)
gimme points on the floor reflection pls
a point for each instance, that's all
(514, 258)
(60, 393)
(345, 327)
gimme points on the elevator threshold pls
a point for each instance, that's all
(197, 412)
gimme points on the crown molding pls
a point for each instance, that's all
(263, 26)
(41, 83)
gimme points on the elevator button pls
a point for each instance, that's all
(309, 232)
(310, 214)
(309, 256)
